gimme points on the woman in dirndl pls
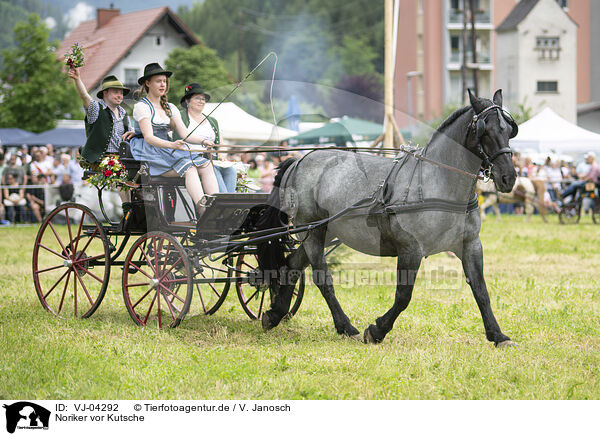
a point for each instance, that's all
(154, 118)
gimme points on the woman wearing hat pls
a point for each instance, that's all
(193, 102)
(154, 119)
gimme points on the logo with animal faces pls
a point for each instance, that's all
(26, 416)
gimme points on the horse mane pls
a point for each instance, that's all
(448, 121)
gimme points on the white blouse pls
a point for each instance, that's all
(141, 110)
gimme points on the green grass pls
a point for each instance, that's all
(543, 282)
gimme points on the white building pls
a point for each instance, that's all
(536, 60)
(122, 44)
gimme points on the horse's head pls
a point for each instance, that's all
(491, 129)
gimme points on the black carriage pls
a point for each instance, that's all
(168, 261)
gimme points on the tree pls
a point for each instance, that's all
(198, 64)
(35, 91)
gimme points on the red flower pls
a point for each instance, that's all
(108, 173)
(188, 88)
(118, 173)
(111, 163)
(70, 62)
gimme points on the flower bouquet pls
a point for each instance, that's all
(110, 174)
(74, 59)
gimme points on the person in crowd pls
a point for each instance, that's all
(554, 178)
(66, 189)
(154, 118)
(592, 174)
(35, 197)
(14, 198)
(193, 102)
(2, 165)
(16, 170)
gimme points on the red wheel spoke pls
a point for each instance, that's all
(79, 232)
(69, 228)
(156, 270)
(201, 299)
(142, 271)
(131, 285)
(171, 269)
(52, 251)
(166, 260)
(83, 287)
(174, 280)
(87, 259)
(87, 244)
(150, 309)
(148, 261)
(170, 306)
(62, 298)
(57, 237)
(158, 307)
(141, 298)
(48, 269)
(252, 296)
(172, 293)
(262, 299)
(55, 284)
(75, 295)
(87, 271)
(214, 290)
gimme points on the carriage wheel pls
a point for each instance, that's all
(71, 261)
(157, 281)
(211, 283)
(253, 296)
(569, 214)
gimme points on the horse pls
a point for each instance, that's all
(420, 203)
(524, 191)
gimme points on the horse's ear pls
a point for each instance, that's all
(472, 97)
(498, 98)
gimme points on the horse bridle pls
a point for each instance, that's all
(478, 128)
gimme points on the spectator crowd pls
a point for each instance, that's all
(25, 172)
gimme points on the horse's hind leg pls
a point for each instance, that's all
(314, 247)
(408, 265)
(296, 263)
(472, 260)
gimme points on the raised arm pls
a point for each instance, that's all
(80, 87)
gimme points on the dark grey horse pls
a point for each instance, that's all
(414, 208)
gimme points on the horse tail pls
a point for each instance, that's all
(271, 254)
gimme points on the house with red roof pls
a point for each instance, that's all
(122, 44)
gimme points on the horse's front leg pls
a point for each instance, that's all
(408, 265)
(314, 247)
(472, 261)
(280, 306)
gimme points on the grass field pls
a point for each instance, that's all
(543, 282)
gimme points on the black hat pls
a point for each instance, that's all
(111, 82)
(191, 89)
(153, 69)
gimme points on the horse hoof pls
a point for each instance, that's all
(506, 344)
(266, 322)
(357, 337)
(368, 337)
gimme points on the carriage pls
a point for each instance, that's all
(167, 265)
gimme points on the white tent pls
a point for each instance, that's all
(547, 132)
(237, 125)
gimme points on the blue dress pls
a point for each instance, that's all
(160, 160)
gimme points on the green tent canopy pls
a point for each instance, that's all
(340, 131)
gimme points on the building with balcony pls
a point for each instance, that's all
(429, 53)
